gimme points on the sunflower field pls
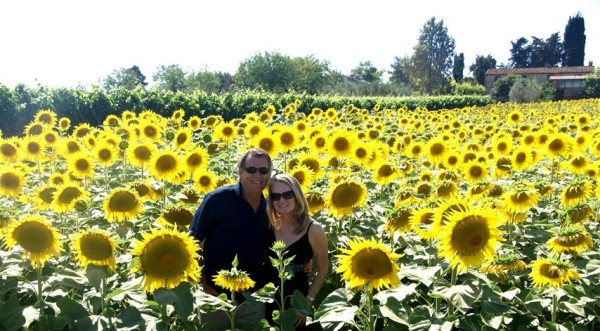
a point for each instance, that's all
(479, 218)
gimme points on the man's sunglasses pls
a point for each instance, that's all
(286, 195)
(252, 170)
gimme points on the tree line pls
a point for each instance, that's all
(434, 68)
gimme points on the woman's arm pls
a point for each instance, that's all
(318, 242)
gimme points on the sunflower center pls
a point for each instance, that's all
(69, 194)
(34, 237)
(47, 194)
(266, 144)
(579, 162)
(33, 148)
(341, 144)
(82, 165)
(36, 130)
(150, 132)
(436, 149)
(574, 192)
(572, 240)
(520, 197)
(521, 157)
(476, 171)
(104, 154)
(416, 150)
(8, 150)
(123, 201)
(205, 181)
(361, 153)
(287, 138)
(452, 160)
(385, 171)
(142, 153)
(502, 147)
(320, 142)
(73, 147)
(371, 263)
(165, 257)
(556, 145)
(178, 216)
(96, 247)
(470, 235)
(9, 180)
(194, 160)
(550, 271)
(346, 195)
(166, 163)
(254, 130)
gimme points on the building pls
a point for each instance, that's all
(569, 80)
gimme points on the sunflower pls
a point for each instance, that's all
(176, 216)
(574, 192)
(469, 237)
(166, 257)
(502, 145)
(12, 181)
(582, 141)
(183, 137)
(212, 121)
(344, 196)
(36, 235)
(205, 181)
(43, 197)
(194, 122)
(570, 240)
(64, 123)
(578, 163)
(9, 151)
(188, 195)
(234, 280)
(504, 264)
(150, 131)
(514, 117)
(286, 138)
(385, 173)
(313, 162)
(67, 196)
(436, 149)
(33, 129)
(552, 272)
(362, 153)
(579, 213)
(266, 141)
(195, 159)
(304, 175)
(558, 144)
(253, 129)
(81, 165)
(122, 204)
(177, 116)
(82, 130)
(522, 158)
(225, 132)
(316, 202)
(446, 189)
(399, 220)
(445, 209)
(452, 160)
(69, 146)
(105, 154)
(94, 246)
(422, 222)
(140, 153)
(165, 165)
(50, 138)
(368, 263)
(474, 171)
(521, 198)
(340, 143)
(502, 166)
(33, 148)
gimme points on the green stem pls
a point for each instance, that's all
(41, 298)
(370, 315)
(232, 315)
(554, 307)
(453, 278)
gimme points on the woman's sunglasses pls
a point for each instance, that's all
(252, 170)
(286, 195)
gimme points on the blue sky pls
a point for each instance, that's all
(66, 43)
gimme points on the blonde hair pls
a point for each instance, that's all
(300, 212)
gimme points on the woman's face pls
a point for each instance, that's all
(283, 198)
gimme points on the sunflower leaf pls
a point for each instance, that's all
(180, 297)
(71, 309)
(11, 314)
(95, 274)
(593, 267)
(336, 308)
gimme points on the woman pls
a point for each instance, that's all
(304, 238)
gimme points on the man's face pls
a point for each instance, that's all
(255, 182)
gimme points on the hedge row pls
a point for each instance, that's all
(18, 106)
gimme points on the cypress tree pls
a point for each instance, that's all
(574, 41)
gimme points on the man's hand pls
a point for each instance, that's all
(308, 268)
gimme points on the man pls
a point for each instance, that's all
(232, 221)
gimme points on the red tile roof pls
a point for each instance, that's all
(541, 70)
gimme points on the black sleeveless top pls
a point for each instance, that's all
(302, 252)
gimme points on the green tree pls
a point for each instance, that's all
(170, 78)
(432, 59)
(501, 89)
(279, 73)
(481, 65)
(208, 81)
(574, 41)
(128, 78)
(524, 90)
(458, 67)
(400, 73)
(367, 72)
(519, 53)
(592, 84)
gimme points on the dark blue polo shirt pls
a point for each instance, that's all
(229, 226)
